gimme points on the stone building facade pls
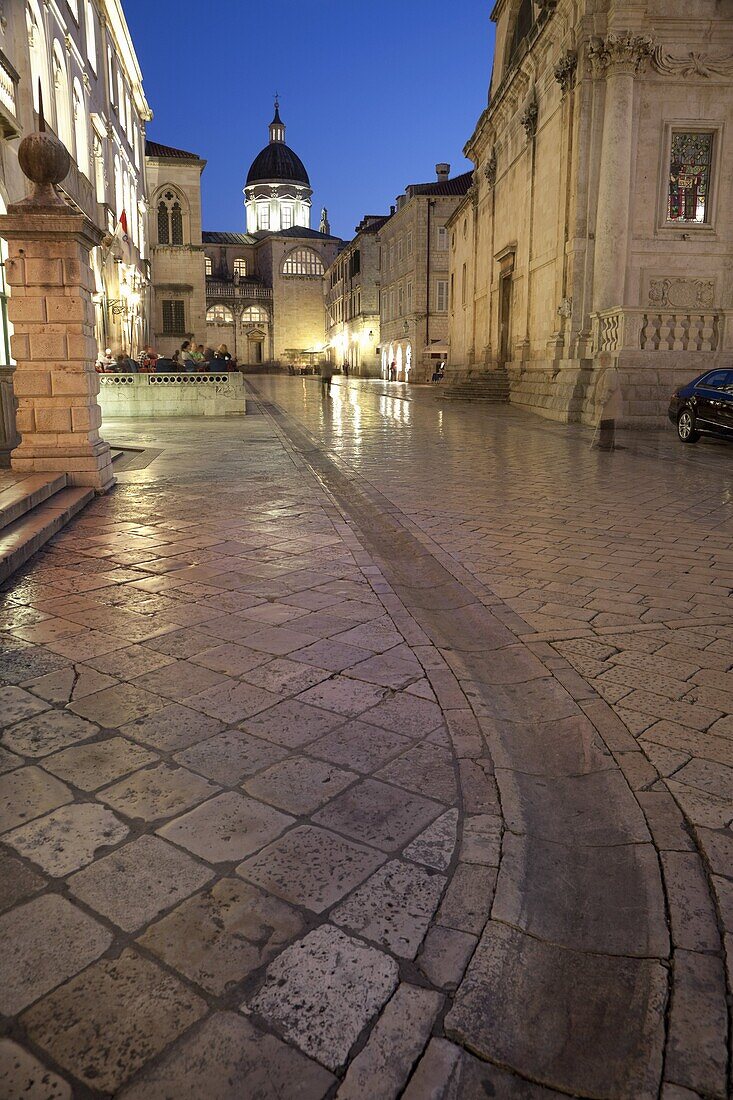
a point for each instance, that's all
(176, 250)
(415, 277)
(78, 58)
(598, 226)
(352, 286)
(260, 292)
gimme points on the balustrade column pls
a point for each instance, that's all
(619, 57)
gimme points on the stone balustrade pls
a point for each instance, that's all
(167, 395)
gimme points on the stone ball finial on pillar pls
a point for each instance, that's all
(45, 161)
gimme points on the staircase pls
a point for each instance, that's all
(33, 507)
(492, 386)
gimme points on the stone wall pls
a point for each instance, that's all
(166, 395)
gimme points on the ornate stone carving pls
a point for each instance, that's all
(528, 119)
(620, 52)
(566, 69)
(68, 42)
(565, 309)
(692, 63)
(680, 293)
(490, 168)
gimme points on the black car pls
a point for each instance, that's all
(704, 405)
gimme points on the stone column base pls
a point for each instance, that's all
(86, 465)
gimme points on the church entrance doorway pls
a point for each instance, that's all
(505, 319)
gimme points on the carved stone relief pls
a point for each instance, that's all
(622, 52)
(490, 168)
(692, 63)
(565, 71)
(680, 293)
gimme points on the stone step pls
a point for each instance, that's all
(22, 494)
(27, 534)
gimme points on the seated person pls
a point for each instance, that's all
(164, 365)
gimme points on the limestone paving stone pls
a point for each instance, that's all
(138, 882)
(446, 1070)
(222, 935)
(434, 846)
(445, 954)
(67, 838)
(226, 828)
(9, 760)
(229, 1059)
(394, 907)
(311, 867)
(180, 643)
(344, 696)
(48, 732)
(697, 1044)
(23, 1077)
(378, 814)
(18, 881)
(691, 910)
(398, 1038)
(331, 654)
(611, 901)
(45, 941)
(360, 746)
(299, 785)
(26, 793)
(292, 723)
(159, 792)
(70, 683)
(500, 1011)
(98, 763)
(129, 661)
(109, 1021)
(23, 662)
(172, 727)
(321, 992)
(425, 769)
(117, 705)
(468, 898)
(406, 714)
(232, 701)
(230, 659)
(228, 758)
(17, 704)
(284, 676)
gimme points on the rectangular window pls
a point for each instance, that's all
(400, 300)
(91, 33)
(174, 318)
(240, 267)
(400, 250)
(442, 237)
(409, 297)
(110, 75)
(287, 217)
(391, 254)
(452, 298)
(263, 217)
(441, 295)
(463, 285)
(120, 98)
(409, 243)
(392, 304)
(691, 159)
(209, 269)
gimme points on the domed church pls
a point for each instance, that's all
(278, 193)
(260, 292)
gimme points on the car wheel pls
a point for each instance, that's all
(686, 429)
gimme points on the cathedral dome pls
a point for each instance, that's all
(277, 161)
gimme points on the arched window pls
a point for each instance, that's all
(219, 315)
(63, 99)
(522, 27)
(80, 131)
(38, 54)
(303, 261)
(254, 315)
(170, 219)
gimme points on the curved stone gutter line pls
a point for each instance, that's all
(585, 1015)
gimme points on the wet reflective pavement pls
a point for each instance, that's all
(373, 746)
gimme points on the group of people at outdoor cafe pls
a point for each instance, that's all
(188, 358)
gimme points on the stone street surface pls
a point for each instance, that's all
(372, 746)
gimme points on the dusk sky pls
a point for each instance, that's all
(373, 92)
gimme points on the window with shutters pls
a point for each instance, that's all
(174, 317)
(441, 295)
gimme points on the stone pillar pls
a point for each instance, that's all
(51, 308)
(619, 57)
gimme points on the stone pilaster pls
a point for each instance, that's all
(618, 57)
(51, 308)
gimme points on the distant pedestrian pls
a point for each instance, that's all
(326, 376)
(345, 368)
(393, 371)
(608, 401)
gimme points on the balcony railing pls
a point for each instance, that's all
(219, 288)
(8, 98)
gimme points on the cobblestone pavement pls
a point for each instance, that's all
(371, 747)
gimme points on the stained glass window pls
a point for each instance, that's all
(689, 177)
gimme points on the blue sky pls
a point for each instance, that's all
(373, 92)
